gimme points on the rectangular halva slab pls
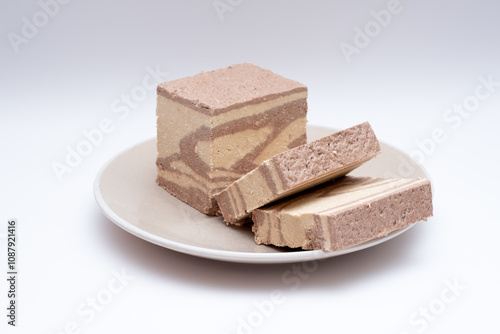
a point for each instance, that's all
(216, 126)
(298, 169)
(343, 213)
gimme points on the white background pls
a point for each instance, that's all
(75, 70)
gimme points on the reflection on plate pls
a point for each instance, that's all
(126, 191)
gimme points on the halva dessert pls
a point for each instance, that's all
(343, 213)
(298, 169)
(216, 126)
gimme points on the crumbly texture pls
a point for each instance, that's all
(343, 213)
(224, 89)
(214, 127)
(298, 169)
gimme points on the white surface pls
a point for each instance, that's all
(68, 77)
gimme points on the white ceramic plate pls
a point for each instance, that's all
(126, 191)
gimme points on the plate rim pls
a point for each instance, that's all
(216, 254)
